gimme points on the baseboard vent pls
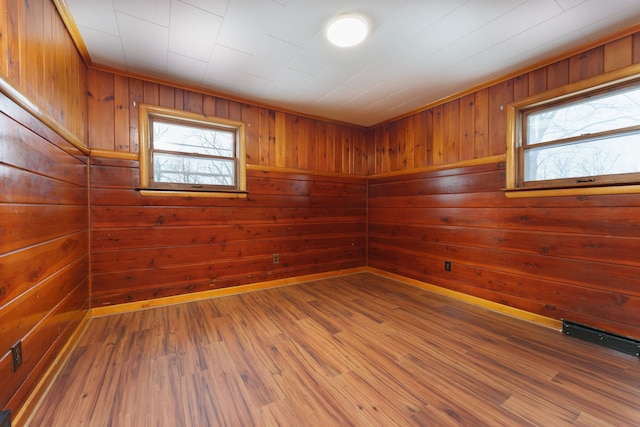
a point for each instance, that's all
(603, 338)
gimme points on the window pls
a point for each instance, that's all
(576, 138)
(191, 153)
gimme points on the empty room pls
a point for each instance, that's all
(319, 213)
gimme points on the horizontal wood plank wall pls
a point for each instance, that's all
(44, 254)
(149, 247)
(274, 138)
(562, 257)
(44, 246)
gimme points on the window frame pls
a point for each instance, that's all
(147, 113)
(516, 112)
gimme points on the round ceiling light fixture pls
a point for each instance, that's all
(347, 30)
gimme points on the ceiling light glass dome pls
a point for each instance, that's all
(347, 30)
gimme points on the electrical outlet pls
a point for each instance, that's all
(276, 258)
(16, 355)
(447, 266)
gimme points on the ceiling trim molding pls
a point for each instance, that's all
(72, 29)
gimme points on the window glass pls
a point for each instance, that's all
(618, 154)
(175, 168)
(607, 112)
(191, 139)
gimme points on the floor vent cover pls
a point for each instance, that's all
(606, 339)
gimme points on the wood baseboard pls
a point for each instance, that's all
(494, 306)
(183, 298)
(178, 299)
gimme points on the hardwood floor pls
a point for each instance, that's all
(356, 350)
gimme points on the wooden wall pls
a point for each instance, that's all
(473, 125)
(307, 200)
(563, 257)
(149, 247)
(44, 249)
(39, 57)
(274, 138)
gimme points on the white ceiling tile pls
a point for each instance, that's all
(368, 98)
(316, 56)
(451, 28)
(568, 4)
(106, 49)
(623, 16)
(287, 84)
(330, 77)
(303, 98)
(396, 105)
(376, 73)
(156, 11)
(189, 69)
(193, 32)
(272, 58)
(145, 68)
(490, 10)
(484, 65)
(95, 14)
(242, 85)
(245, 24)
(506, 26)
(550, 35)
(338, 96)
(226, 65)
(219, 7)
(405, 24)
(301, 20)
(436, 62)
(143, 41)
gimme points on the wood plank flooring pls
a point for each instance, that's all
(358, 350)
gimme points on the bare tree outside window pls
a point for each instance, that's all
(193, 155)
(590, 137)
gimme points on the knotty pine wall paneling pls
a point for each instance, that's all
(44, 254)
(274, 138)
(44, 246)
(40, 59)
(562, 257)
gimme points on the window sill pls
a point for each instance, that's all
(193, 194)
(515, 193)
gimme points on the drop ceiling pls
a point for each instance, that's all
(274, 51)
